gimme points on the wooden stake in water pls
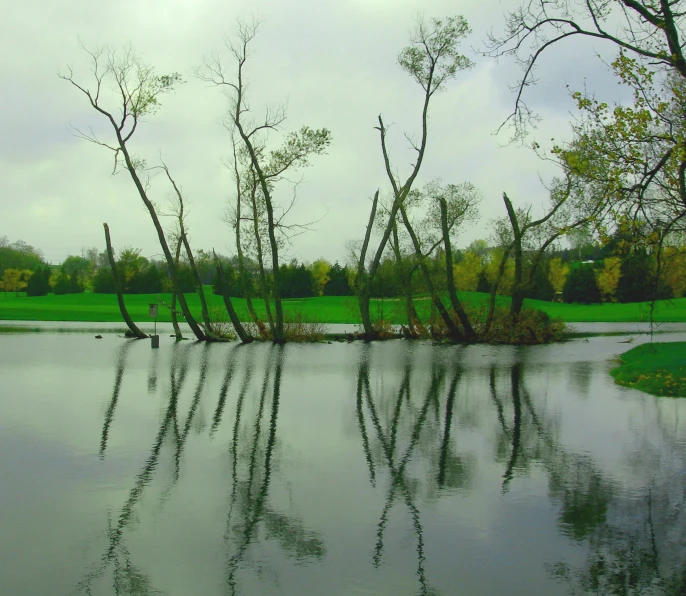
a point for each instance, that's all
(152, 312)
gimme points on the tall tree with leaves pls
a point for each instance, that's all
(136, 91)
(270, 167)
(637, 151)
(432, 60)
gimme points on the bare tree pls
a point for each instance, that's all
(133, 328)
(135, 89)
(270, 167)
(431, 60)
(245, 185)
(457, 204)
(243, 335)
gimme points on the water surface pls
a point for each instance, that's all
(394, 468)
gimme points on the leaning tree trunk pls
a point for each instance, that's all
(414, 325)
(192, 323)
(494, 289)
(174, 316)
(242, 272)
(518, 289)
(436, 299)
(364, 281)
(260, 264)
(452, 292)
(278, 335)
(240, 330)
(135, 331)
(198, 284)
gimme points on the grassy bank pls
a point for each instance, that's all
(326, 309)
(656, 368)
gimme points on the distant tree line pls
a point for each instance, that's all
(622, 269)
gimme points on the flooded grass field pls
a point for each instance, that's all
(393, 468)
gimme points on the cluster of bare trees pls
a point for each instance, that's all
(432, 60)
(629, 162)
(124, 90)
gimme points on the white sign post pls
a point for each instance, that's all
(152, 312)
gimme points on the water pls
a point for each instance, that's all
(396, 468)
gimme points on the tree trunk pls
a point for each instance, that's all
(278, 335)
(242, 273)
(135, 331)
(445, 315)
(518, 289)
(260, 264)
(494, 289)
(240, 330)
(414, 325)
(163, 242)
(364, 281)
(198, 285)
(452, 292)
(174, 316)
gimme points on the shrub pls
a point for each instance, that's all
(532, 327)
(221, 325)
(298, 327)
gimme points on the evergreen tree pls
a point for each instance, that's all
(39, 283)
(581, 286)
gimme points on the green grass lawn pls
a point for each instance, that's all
(326, 309)
(656, 368)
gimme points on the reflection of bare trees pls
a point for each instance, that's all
(252, 455)
(252, 463)
(635, 538)
(118, 377)
(414, 420)
(401, 484)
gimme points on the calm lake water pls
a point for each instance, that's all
(343, 469)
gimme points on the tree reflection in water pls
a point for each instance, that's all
(252, 469)
(408, 427)
(394, 459)
(627, 535)
(252, 465)
(118, 378)
(117, 555)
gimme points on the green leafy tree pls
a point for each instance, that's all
(581, 286)
(39, 283)
(19, 255)
(675, 270)
(467, 271)
(270, 167)
(338, 282)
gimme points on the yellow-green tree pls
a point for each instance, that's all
(608, 278)
(491, 271)
(467, 271)
(15, 280)
(320, 273)
(557, 274)
(674, 270)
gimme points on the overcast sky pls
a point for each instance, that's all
(335, 64)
